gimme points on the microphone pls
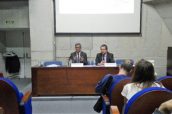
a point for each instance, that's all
(69, 61)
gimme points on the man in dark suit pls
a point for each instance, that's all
(78, 56)
(104, 56)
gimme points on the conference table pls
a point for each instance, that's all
(61, 81)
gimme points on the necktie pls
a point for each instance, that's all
(103, 57)
(78, 59)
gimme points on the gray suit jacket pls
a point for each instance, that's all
(109, 58)
(73, 57)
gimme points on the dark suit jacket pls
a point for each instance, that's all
(109, 58)
(74, 55)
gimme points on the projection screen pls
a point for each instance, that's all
(97, 16)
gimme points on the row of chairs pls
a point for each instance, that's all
(59, 63)
(144, 102)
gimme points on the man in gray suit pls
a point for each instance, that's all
(78, 56)
(104, 56)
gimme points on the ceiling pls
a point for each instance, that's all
(164, 8)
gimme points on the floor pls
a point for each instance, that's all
(64, 105)
(60, 104)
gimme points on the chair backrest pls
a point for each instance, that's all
(145, 101)
(91, 62)
(8, 97)
(121, 61)
(1, 74)
(166, 81)
(115, 97)
(52, 62)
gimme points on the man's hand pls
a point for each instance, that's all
(82, 59)
(102, 63)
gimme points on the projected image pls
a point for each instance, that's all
(98, 16)
(96, 6)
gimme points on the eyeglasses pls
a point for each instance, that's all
(102, 49)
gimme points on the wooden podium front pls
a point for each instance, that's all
(68, 80)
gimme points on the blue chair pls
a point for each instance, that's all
(121, 61)
(115, 97)
(12, 101)
(52, 62)
(91, 63)
(145, 101)
(166, 81)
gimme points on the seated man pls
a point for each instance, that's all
(104, 56)
(124, 70)
(103, 87)
(78, 56)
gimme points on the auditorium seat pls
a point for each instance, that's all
(12, 101)
(1, 74)
(121, 61)
(115, 97)
(49, 63)
(166, 81)
(91, 63)
(147, 100)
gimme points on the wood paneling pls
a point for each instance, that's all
(67, 80)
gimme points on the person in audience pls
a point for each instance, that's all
(165, 108)
(78, 56)
(104, 56)
(124, 71)
(143, 77)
